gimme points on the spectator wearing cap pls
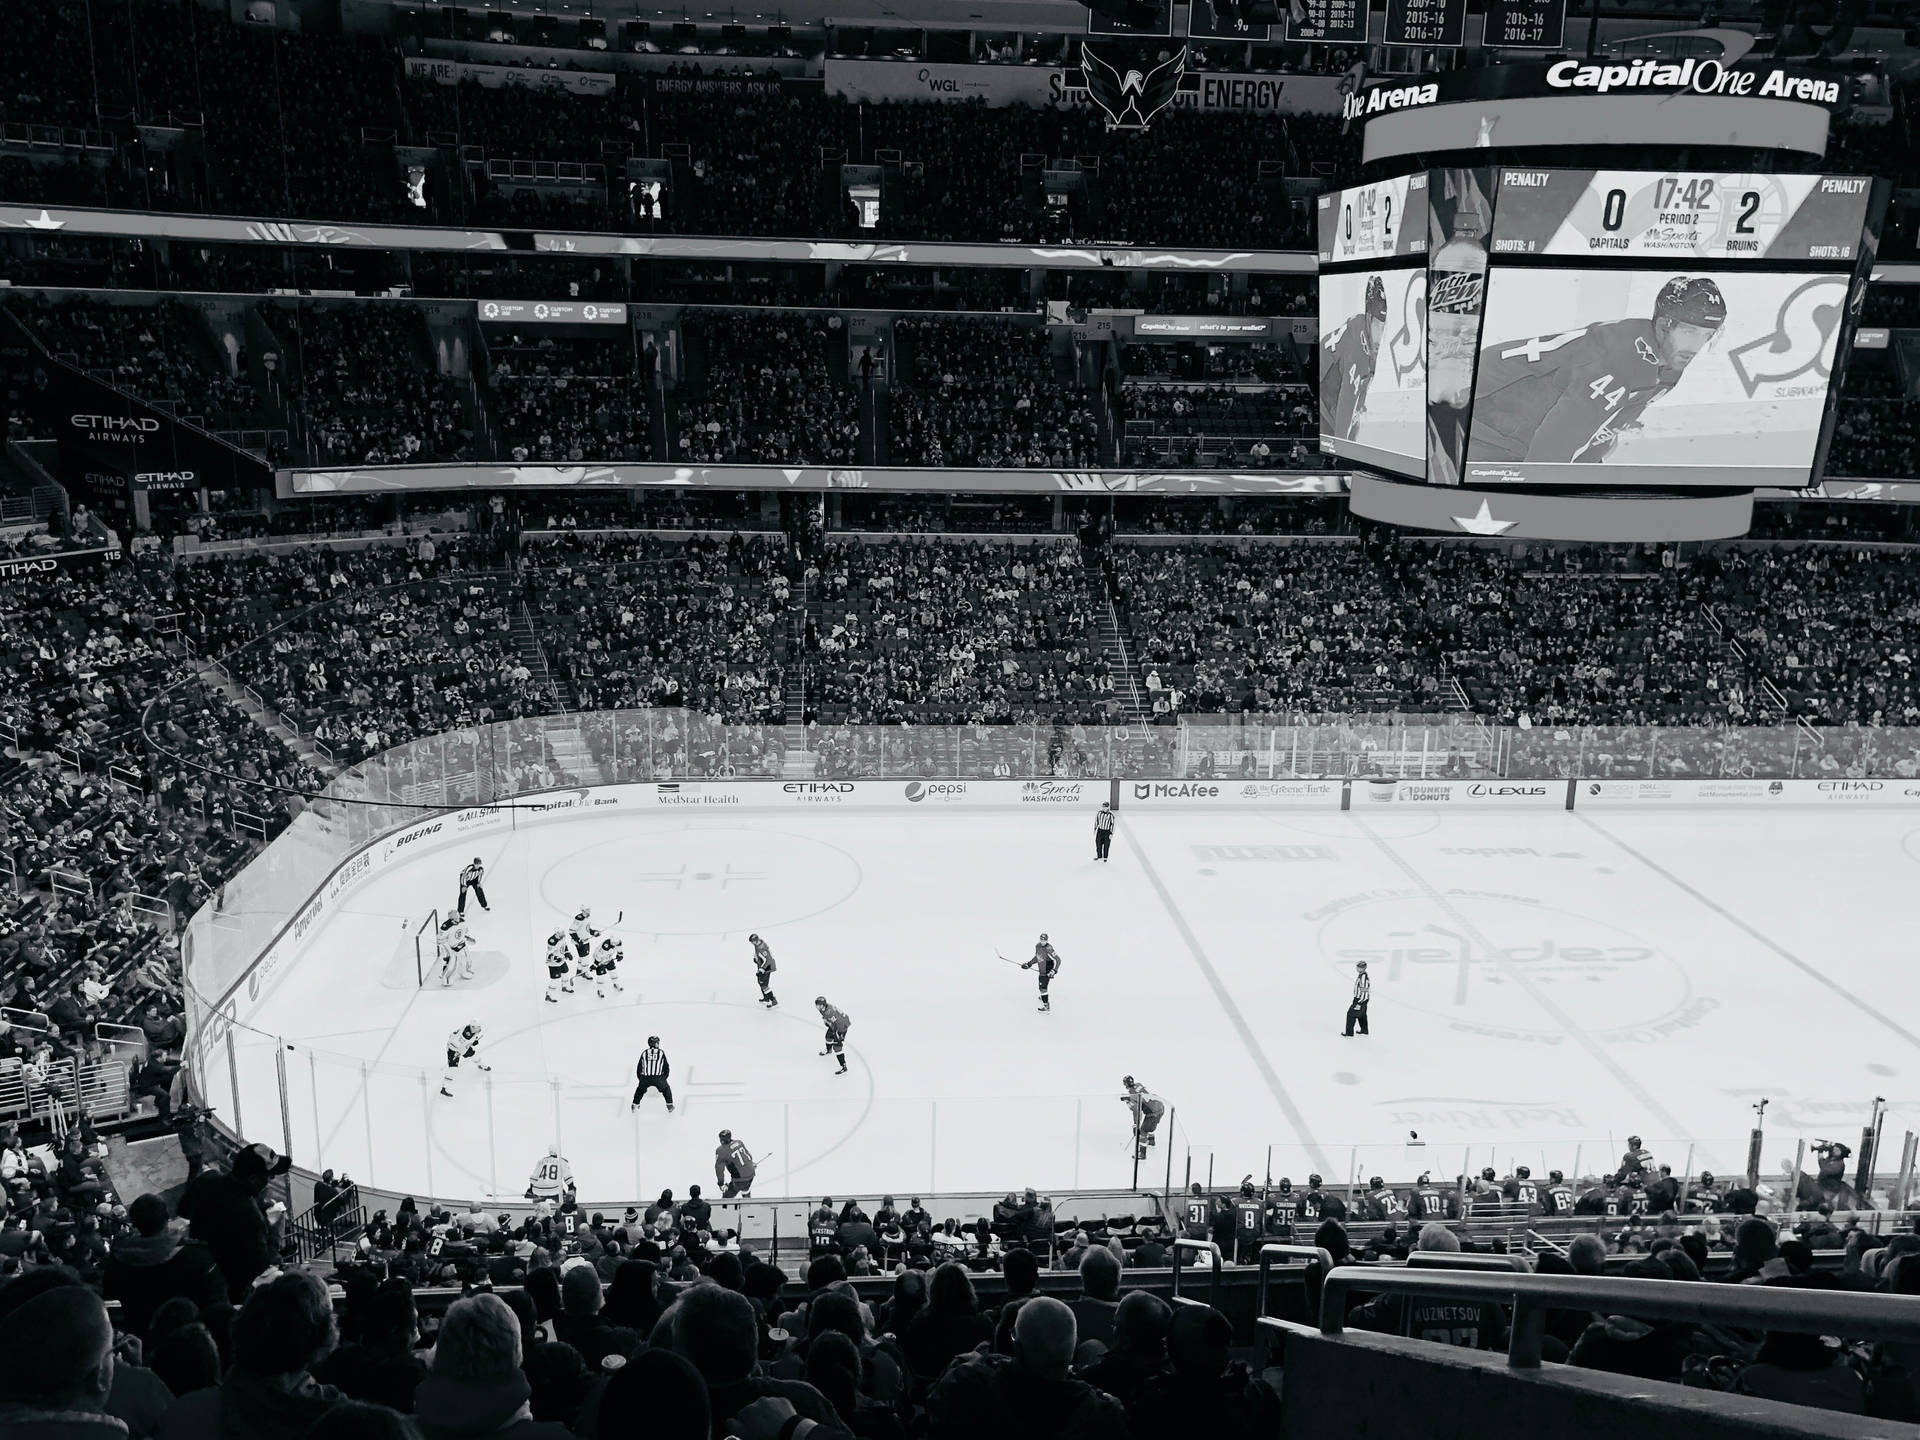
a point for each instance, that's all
(476, 1386)
(56, 1360)
(1204, 1391)
(225, 1213)
(283, 1331)
(155, 1261)
(1033, 1392)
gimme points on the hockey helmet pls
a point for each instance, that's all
(820, 1001)
(449, 922)
(1555, 1177)
(1376, 1183)
(476, 859)
(1376, 298)
(586, 912)
(1692, 300)
(725, 1135)
(1043, 935)
(1127, 1080)
(1487, 1173)
(1360, 964)
(609, 943)
(1313, 1180)
(1286, 1186)
(1634, 1140)
(1522, 1172)
(1426, 1178)
(556, 937)
(1197, 1188)
(753, 937)
(1246, 1186)
(1706, 1177)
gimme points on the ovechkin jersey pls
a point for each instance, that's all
(1347, 358)
(1565, 397)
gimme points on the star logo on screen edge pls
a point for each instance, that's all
(1481, 522)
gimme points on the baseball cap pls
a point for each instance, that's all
(260, 1162)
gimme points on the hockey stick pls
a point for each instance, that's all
(1015, 963)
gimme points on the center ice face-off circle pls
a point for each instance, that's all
(702, 882)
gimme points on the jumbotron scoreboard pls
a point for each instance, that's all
(1680, 215)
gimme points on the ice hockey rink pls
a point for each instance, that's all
(1545, 983)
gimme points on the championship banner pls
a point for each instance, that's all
(1691, 215)
(501, 77)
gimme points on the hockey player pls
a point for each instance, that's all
(1283, 1209)
(552, 1177)
(1249, 1224)
(1047, 961)
(763, 968)
(1148, 1109)
(584, 932)
(1569, 397)
(606, 967)
(837, 1025)
(650, 1072)
(470, 879)
(559, 967)
(1558, 1196)
(455, 952)
(1318, 1204)
(1347, 358)
(733, 1166)
(1704, 1197)
(1382, 1202)
(462, 1044)
(1429, 1200)
(1519, 1190)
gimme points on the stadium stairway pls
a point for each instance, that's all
(1113, 642)
(533, 655)
(249, 704)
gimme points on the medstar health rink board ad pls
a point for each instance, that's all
(1661, 328)
(1373, 303)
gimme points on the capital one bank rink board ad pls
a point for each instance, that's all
(1662, 329)
(1373, 347)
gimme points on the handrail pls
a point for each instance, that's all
(1274, 1250)
(1808, 1312)
(1206, 1247)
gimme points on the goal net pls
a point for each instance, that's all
(426, 948)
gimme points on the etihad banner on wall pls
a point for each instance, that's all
(775, 477)
(16, 569)
(500, 77)
(881, 81)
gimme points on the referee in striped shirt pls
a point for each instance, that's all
(1357, 1007)
(651, 1072)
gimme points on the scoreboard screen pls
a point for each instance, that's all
(1381, 221)
(1525, 24)
(1373, 367)
(1659, 377)
(1681, 215)
(1423, 23)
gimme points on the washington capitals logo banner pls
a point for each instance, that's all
(1130, 99)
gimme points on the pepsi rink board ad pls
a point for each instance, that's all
(1662, 328)
(1373, 345)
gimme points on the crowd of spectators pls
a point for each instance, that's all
(763, 391)
(571, 400)
(158, 352)
(983, 392)
(952, 633)
(700, 623)
(364, 386)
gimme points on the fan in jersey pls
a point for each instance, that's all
(456, 953)
(1347, 358)
(552, 1177)
(1569, 397)
(462, 1044)
(606, 967)
(559, 967)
